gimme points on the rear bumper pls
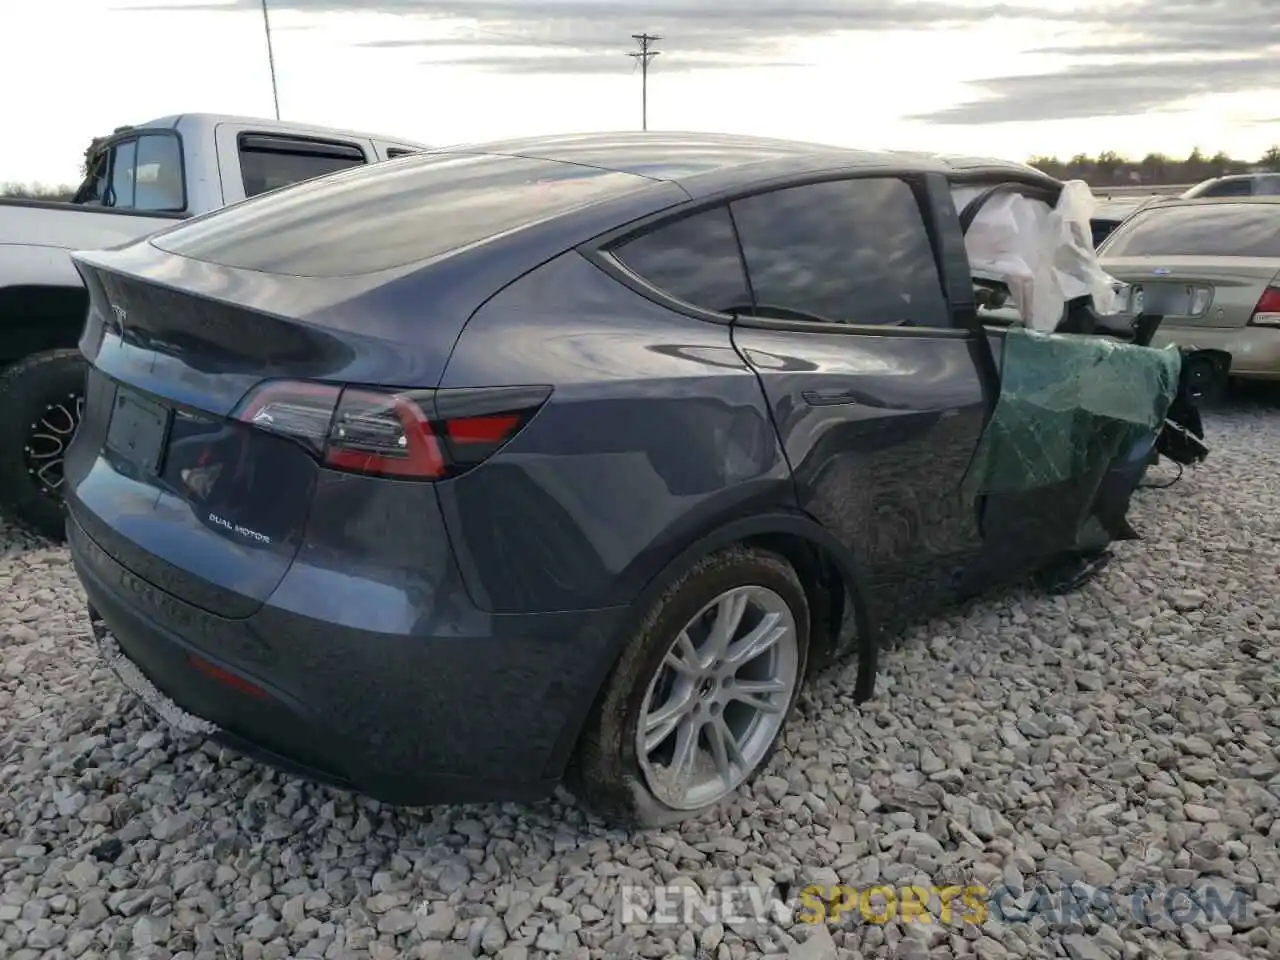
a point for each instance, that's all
(406, 719)
(1255, 351)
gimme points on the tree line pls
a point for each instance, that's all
(35, 191)
(1110, 169)
(1107, 169)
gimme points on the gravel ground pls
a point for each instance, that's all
(1125, 734)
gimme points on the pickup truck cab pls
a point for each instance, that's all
(138, 180)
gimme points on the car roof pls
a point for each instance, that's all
(1262, 175)
(209, 120)
(1166, 202)
(703, 163)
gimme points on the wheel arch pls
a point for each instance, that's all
(36, 318)
(829, 574)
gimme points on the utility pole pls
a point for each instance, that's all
(271, 57)
(643, 57)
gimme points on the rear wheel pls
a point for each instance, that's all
(41, 400)
(696, 705)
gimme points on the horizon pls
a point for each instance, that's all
(1168, 79)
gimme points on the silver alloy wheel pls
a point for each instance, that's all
(718, 700)
(47, 442)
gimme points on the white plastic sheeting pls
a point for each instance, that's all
(1044, 255)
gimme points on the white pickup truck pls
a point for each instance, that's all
(139, 180)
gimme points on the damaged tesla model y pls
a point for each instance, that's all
(477, 471)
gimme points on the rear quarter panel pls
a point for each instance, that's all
(656, 434)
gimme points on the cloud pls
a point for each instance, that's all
(1155, 55)
(1133, 56)
(713, 33)
(1106, 90)
(589, 64)
(589, 56)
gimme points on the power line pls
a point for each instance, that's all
(271, 57)
(643, 56)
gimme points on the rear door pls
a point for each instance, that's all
(255, 161)
(878, 396)
(1202, 265)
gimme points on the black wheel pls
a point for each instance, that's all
(41, 400)
(697, 703)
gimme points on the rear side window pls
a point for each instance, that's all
(694, 259)
(269, 163)
(844, 251)
(1217, 230)
(382, 216)
(1229, 188)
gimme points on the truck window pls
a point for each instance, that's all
(160, 185)
(393, 152)
(142, 173)
(269, 162)
(123, 165)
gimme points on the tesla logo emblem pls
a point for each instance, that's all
(120, 314)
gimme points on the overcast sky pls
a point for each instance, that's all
(1010, 79)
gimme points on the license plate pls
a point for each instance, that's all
(138, 431)
(1170, 299)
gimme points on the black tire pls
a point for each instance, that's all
(30, 391)
(605, 774)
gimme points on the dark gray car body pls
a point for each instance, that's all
(441, 641)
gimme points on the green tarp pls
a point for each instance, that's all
(1068, 405)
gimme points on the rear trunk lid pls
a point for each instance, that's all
(1195, 291)
(161, 475)
(360, 280)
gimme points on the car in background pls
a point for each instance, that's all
(448, 478)
(1110, 214)
(138, 179)
(1236, 185)
(1220, 256)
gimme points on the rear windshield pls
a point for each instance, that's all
(1218, 230)
(390, 214)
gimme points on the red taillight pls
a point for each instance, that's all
(227, 678)
(417, 435)
(1267, 312)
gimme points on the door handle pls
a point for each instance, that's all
(829, 398)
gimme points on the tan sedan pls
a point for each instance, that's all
(1212, 267)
